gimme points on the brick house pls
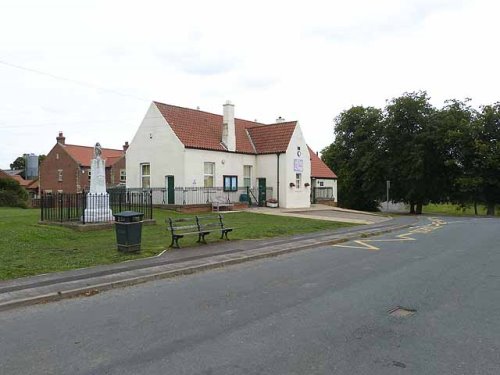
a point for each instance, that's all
(67, 167)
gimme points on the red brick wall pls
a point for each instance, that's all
(57, 159)
(114, 172)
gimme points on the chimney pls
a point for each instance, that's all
(61, 139)
(280, 120)
(125, 147)
(228, 127)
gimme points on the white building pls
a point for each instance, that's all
(182, 150)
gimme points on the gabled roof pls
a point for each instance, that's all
(28, 184)
(84, 154)
(318, 167)
(203, 130)
(271, 139)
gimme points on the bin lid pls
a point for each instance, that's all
(128, 214)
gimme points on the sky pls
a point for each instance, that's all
(91, 68)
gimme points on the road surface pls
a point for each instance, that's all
(421, 301)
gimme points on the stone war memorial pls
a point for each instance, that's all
(98, 210)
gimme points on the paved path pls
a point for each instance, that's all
(328, 310)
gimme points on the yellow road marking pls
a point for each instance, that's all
(424, 229)
(363, 244)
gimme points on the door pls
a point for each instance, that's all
(169, 185)
(262, 191)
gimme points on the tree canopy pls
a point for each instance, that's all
(448, 154)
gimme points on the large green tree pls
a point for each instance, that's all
(356, 157)
(487, 142)
(414, 151)
(457, 121)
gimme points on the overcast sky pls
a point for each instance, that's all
(302, 60)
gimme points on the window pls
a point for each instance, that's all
(209, 174)
(247, 175)
(230, 183)
(123, 175)
(321, 183)
(59, 175)
(90, 174)
(298, 180)
(145, 176)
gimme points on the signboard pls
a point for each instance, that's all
(298, 165)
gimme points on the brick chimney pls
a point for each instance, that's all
(228, 127)
(125, 147)
(61, 139)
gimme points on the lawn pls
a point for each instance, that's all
(28, 248)
(454, 210)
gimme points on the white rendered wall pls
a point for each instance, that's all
(298, 196)
(226, 163)
(267, 168)
(155, 143)
(327, 182)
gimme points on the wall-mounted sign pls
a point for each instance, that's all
(298, 165)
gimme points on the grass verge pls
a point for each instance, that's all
(454, 210)
(28, 248)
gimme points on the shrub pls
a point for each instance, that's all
(12, 194)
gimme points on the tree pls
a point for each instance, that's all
(20, 163)
(355, 156)
(457, 119)
(487, 147)
(414, 151)
(12, 194)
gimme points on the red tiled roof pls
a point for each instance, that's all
(84, 154)
(203, 130)
(318, 167)
(270, 139)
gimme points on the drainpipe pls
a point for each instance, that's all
(278, 177)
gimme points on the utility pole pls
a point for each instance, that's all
(388, 186)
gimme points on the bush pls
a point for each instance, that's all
(12, 194)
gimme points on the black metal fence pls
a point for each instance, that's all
(202, 195)
(82, 207)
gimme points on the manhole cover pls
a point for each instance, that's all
(401, 312)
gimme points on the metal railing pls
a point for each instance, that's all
(67, 207)
(322, 193)
(201, 195)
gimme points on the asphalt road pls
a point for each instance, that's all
(329, 310)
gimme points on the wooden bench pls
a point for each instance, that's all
(198, 225)
(221, 202)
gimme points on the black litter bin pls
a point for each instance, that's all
(128, 226)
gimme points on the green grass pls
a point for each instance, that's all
(454, 210)
(28, 248)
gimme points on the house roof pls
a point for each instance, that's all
(271, 139)
(84, 154)
(28, 184)
(203, 130)
(318, 167)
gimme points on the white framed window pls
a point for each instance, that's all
(59, 175)
(247, 176)
(123, 175)
(209, 174)
(145, 175)
(298, 180)
(321, 183)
